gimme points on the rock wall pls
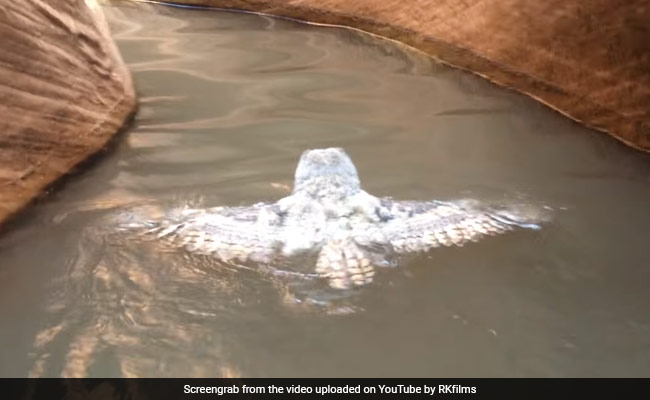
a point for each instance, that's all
(64, 93)
(65, 90)
(589, 59)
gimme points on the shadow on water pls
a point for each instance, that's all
(228, 103)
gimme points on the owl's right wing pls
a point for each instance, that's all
(419, 226)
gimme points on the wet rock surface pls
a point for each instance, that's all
(588, 60)
(65, 92)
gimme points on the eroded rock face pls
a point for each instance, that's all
(588, 59)
(65, 92)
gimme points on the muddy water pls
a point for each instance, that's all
(229, 101)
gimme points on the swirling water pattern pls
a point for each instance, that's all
(228, 103)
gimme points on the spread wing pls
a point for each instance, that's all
(420, 226)
(226, 233)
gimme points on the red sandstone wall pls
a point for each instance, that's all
(64, 93)
(589, 59)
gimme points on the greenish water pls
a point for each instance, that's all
(229, 101)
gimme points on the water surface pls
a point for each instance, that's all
(229, 101)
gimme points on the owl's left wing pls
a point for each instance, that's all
(226, 233)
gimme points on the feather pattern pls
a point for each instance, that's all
(330, 216)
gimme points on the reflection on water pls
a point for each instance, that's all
(229, 102)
